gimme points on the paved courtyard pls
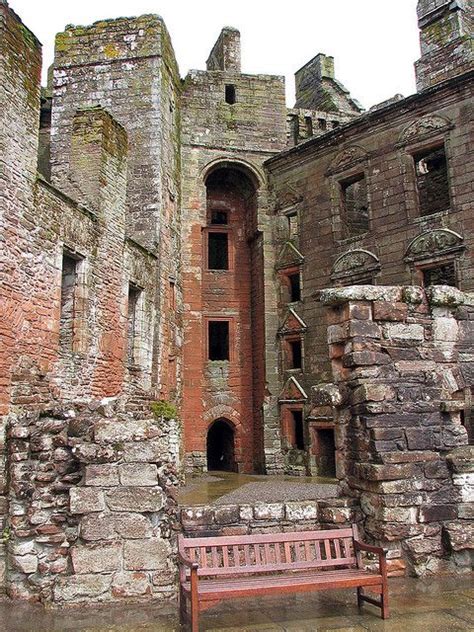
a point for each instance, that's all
(434, 605)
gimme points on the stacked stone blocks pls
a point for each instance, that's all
(403, 392)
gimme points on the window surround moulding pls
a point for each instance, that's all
(232, 339)
(218, 228)
(418, 268)
(337, 203)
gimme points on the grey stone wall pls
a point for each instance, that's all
(92, 515)
(401, 417)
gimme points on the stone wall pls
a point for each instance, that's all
(272, 517)
(402, 403)
(399, 245)
(92, 514)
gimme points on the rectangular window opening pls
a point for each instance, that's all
(218, 251)
(219, 340)
(440, 275)
(322, 124)
(230, 96)
(355, 206)
(298, 429)
(219, 217)
(295, 287)
(308, 121)
(432, 181)
(295, 129)
(68, 291)
(296, 354)
(133, 324)
(292, 225)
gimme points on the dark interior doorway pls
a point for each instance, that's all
(326, 452)
(220, 447)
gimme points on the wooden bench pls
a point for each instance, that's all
(216, 568)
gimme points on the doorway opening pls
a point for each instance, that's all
(221, 447)
(326, 451)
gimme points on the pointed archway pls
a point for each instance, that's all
(221, 446)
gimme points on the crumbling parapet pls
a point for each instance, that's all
(92, 509)
(400, 351)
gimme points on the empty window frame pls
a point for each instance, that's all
(295, 353)
(292, 219)
(322, 124)
(69, 300)
(219, 217)
(298, 429)
(294, 286)
(230, 94)
(308, 122)
(218, 251)
(295, 129)
(444, 274)
(218, 340)
(431, 170)
(355, 206)
(133, 322)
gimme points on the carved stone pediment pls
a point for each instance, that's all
(292, 324)
(348, 157)
(434, 243)
(292, 392)
(355, 262)
(289, 256)
(288, 198)
(424, 127)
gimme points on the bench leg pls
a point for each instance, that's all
(384, 604)
(194, 615)
(359, 597)
(182, 607)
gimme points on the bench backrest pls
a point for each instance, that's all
(246, 554)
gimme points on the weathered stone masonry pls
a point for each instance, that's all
(402, 363)
(115, 181)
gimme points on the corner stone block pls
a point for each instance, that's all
(130, 584)
(149, 554)
(86, 500)
(138, 474)
(96, 558)
(81, 587)
(105, 475)
(269, 511)
(141, 499)
(460, 535)
(296, 511)
(401, 331)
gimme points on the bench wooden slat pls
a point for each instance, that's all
(270, 568)
(337, 546)
(225, 557)
(236, 555)
(187, 543)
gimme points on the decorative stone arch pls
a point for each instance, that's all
(355, 265)
(434, 243)
(251, 170)
(429, 125)
(347, 158)
(433, 257)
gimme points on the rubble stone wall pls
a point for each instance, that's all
(402, 402)
(92, 514)
(272, 517)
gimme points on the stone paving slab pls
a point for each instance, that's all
(434, 605)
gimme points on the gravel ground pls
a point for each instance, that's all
(277, 491)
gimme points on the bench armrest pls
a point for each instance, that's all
(361, 546)
(186, 562)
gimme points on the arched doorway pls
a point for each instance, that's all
(221, 447)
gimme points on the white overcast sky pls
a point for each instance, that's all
(374, 42)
